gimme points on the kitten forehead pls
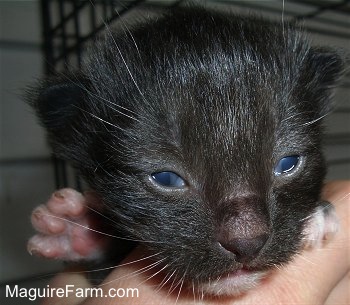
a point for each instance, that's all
(213, 72)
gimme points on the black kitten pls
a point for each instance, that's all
(201, 131)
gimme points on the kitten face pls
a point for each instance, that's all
(206, 146)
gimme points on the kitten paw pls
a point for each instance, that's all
(322, 226)
(65, 227)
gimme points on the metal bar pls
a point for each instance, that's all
(56, 172)
(338, 162)
(100, 28)
(253, 5)
(344, 85)
(48, 45)
(80, 6)
(77, 33)
(25, 161)
(319, 10)
(337, 23)
(78, 184)
(177, 3)
(20, 45)
(49, 64)
(104, 10)
(327, 32)
(63, 34)
(337, 139)
(339, 7)
(93, 17)
(341, 110)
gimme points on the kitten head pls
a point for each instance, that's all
(201, 132)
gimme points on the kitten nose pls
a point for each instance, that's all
(245, 249)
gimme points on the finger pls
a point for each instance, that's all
(75, 281)
(341, 293)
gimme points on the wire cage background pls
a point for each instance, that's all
(68, 26)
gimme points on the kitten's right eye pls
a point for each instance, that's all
(168, 179)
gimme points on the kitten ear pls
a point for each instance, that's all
(58, 103)
(328, 66)
(324, 69)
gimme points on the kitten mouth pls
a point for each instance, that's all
(234, 283)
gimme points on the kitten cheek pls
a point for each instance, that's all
(322, 225)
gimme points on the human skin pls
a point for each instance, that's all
(318, 276)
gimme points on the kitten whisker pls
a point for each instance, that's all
(126, 29)
(135, 273)
(115, 266)
(164, 282)
(341, 198)
(80, 85)
(100, 119)
(316, 120)
(123, 60)
(182, 282)
(108, 30)
(327, 206)
(305, 259)
(101, 214)
(202, 294)
(171, 288)
(193, 291)
(154, 274)
(90, 93)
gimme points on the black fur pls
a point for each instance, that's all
(216, 98)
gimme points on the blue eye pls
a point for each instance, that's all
(168, 179)
(286, 164)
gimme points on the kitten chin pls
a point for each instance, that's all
(233, 284)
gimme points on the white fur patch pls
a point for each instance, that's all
(233, 285)
(322, 226)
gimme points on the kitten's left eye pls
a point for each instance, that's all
(286, 165)
(168, 179)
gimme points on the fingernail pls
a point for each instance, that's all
(58, 195)
(33, 251)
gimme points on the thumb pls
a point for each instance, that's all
(65, 286)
